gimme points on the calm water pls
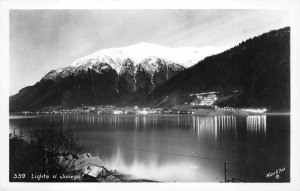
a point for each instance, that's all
(181, 148)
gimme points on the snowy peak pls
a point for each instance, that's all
(185, 56)
(149, 56)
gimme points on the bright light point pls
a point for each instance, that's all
(144, 112)
(256, 110)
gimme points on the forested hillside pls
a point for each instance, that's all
(258, 67)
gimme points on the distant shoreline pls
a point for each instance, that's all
(198, 113)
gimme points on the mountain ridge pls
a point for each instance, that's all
(185, 56)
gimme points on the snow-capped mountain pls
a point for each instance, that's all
(114, 58)
(123, 76)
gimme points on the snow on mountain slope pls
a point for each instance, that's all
(185, 56)
(139, 53)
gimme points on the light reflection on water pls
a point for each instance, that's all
(212, 127)
(257, 124)
(153, 169)
(173, 147)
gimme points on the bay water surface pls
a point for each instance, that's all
(181, 148)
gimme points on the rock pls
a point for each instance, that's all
(94, 161)
(112, 178)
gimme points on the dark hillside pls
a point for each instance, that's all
(259, 67)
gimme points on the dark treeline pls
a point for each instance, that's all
(259, 67)
(38, 154)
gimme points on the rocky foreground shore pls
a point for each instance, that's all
(52, 155)
(88, 168)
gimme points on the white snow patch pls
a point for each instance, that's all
(186, 56)
(139, 53)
